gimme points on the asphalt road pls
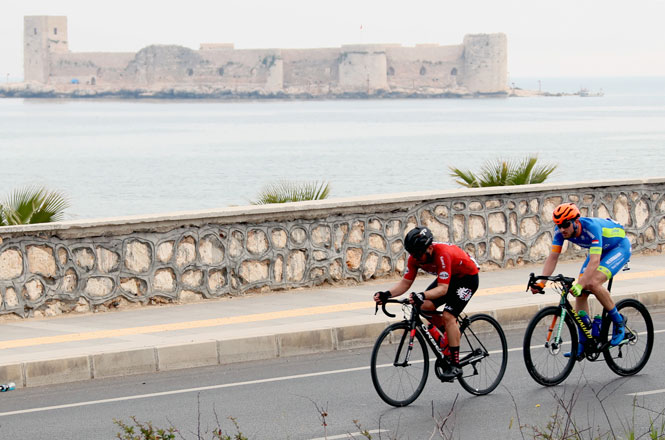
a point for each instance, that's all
(284, 399)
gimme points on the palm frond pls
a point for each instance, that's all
(31, 204)
(522, 171)
(495, 173)
(286, 191)
(500, 172)
(541, 173)
(468, 179)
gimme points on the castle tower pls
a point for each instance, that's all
(42, 36)
(362, 68)
(485, 63)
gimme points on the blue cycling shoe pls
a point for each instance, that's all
(618, 332)
(580, 351)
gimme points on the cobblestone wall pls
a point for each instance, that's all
(81, 266)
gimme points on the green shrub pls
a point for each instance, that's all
(501, 172)
(290, 191)
(30, 204)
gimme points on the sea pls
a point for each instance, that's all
(134, 157)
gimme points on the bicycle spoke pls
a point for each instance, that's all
(398, 382)
(545, 346)
(633, 353)
(483, 355)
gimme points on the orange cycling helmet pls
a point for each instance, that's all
(565, 211)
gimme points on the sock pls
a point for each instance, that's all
(454, 355)
(614, 314)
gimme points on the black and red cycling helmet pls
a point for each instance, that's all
(417, 240)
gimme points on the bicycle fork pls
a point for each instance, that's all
(555, 345)
(411, 335)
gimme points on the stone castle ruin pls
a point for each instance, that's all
(475, 67)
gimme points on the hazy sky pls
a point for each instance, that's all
(545, 38)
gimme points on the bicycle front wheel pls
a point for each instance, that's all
(483, 355)
(544, 347)
(631, 355)
(399, 370)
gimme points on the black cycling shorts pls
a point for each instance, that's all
(460, 291)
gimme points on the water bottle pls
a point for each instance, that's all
(442, 340)
(595, 327)
(436, 334)
(7, 386)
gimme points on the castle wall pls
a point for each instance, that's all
(307, 70)
(424, 66)
(241, 69)
(100, 68)
(478, 65)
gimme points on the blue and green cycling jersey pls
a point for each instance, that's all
(598, 235)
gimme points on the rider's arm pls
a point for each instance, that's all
(402, 286)
(548, 269)
(439, 291)
(398, 289)
(550, 263)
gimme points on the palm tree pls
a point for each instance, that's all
(32, 204)
(504, 172)
(289, 191)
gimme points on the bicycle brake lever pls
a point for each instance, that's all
(376, 308)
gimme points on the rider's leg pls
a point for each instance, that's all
(601, 293)
(460, 291)
(595, 286)
(581, 303)
(604, 298)
(452, 328)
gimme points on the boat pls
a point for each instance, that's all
(585, 93)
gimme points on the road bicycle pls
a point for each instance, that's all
(553, 332)
(400, 358)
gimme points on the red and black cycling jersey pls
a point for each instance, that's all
(449, 261)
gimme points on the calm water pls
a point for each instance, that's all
(134, 157)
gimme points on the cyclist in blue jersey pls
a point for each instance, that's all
(609, 251)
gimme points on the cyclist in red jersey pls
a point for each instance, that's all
(456, 282)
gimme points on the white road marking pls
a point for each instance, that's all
(646, 393)
(231, 385)
(182, 391)
(350, 435)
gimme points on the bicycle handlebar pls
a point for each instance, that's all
(405, 301)
(533, 279)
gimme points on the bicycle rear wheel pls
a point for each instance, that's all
(483, 345)
(632, 354)
(399, 372)
(543, 353)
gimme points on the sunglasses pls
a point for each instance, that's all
(565, 224)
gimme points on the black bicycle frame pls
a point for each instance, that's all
(417, 325)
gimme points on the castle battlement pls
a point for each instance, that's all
(478, 65)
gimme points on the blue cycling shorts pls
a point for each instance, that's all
(612, 260)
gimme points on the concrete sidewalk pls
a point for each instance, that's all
(36, 352)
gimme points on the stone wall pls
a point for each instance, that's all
(52, 268)
(377, 69)
(425, 66)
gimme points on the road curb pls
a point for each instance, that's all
(227, 351)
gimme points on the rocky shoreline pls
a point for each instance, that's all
(41, 91)
(32, 90)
